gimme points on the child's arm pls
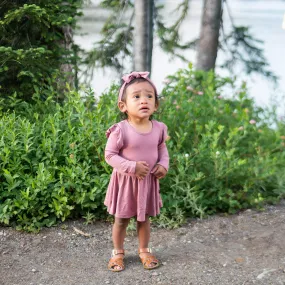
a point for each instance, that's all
(163, 157)
(161, 168)
(114, 144)
(113, 158)
(162, 164)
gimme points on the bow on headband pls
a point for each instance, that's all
(130, 77)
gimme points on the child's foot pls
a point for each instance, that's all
(116, 262)
(148, 260)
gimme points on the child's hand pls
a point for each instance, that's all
(142, 169)
(159, 171)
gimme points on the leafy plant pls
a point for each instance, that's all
(226, 154)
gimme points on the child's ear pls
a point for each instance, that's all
(122, 106)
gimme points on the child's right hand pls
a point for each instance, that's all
(142, 169)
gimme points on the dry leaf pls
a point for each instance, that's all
(239, 259)
(81, 232)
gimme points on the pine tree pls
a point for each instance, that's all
(35, 44)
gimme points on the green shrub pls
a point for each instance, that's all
(225, 153)
(52, 164)
(52, 156)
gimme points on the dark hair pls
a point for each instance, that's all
(136, 80)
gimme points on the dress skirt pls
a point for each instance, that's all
(127, 196)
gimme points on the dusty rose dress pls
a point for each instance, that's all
(127, 196)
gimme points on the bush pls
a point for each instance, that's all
(52, 163)
(225, 154)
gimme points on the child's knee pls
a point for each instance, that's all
(122, 223)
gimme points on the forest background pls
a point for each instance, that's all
(227, 155)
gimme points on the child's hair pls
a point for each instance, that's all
(136, 80)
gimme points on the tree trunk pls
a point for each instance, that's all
(66, 43)
(143, 36)
(209, 35)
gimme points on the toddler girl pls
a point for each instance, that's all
(137, 152)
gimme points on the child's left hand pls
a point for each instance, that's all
(159, 171)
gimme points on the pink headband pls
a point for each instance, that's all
(130, 77)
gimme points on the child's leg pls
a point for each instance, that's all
(119, 232)
(143, 229)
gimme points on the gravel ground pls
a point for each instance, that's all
(246, 248)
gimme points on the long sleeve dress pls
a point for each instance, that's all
(127, 196)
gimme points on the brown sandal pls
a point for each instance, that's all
(116, 261)
(148, 260)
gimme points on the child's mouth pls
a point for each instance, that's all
(144, 109)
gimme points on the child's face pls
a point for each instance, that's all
(140, 101)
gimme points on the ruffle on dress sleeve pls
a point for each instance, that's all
(116, 131)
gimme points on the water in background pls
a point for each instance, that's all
(263, 17)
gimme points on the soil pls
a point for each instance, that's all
(245, 248)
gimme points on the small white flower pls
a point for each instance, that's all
(166, 81)
(217, 153)
(186, 155)
(189, 88)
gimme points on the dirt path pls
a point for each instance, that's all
(248, 248)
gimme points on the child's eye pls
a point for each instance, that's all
(137, 96)
(149, 96)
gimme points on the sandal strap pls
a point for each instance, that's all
(116, 261)
(118, 251)
(149, 259)
(145, 250)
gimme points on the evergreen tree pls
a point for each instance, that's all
(34, 46)
(241, 48)
(117, 43)
(143, 39)
(118, 34)
(209, 35)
